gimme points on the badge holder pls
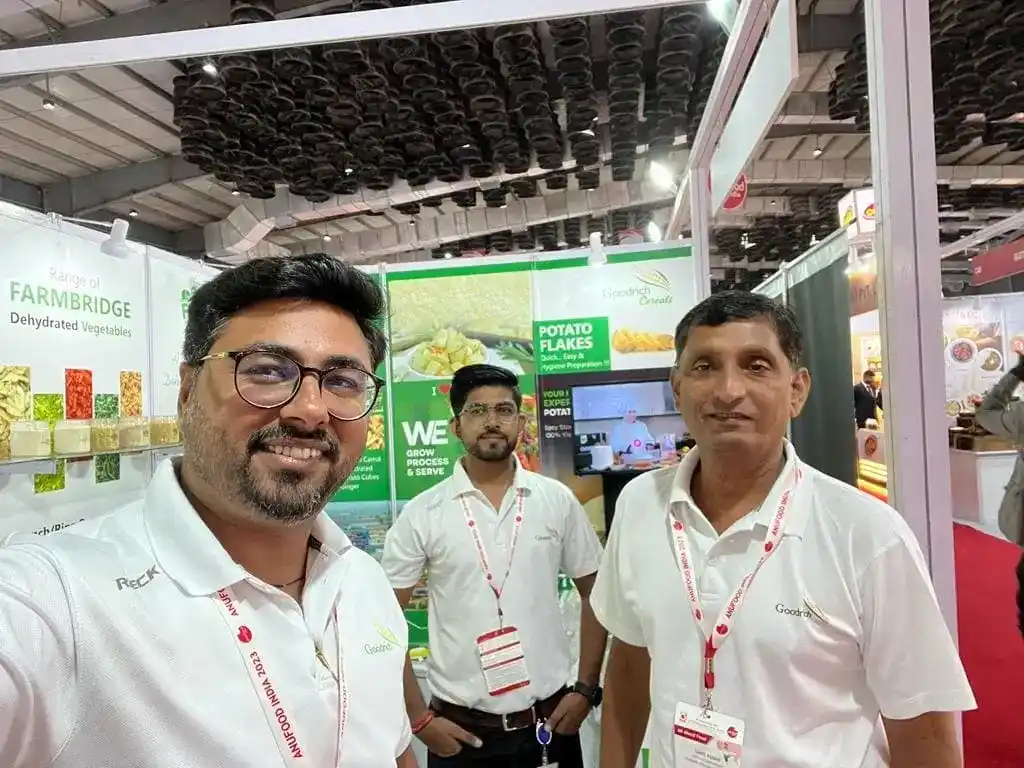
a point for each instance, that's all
(502, 661)
(544, 737)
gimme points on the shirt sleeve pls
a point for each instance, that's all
(405, 555)
(911, 661)
(581, 549)
(37, 652)
(613, 598)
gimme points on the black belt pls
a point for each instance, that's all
(513, 721)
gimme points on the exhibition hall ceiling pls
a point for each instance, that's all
(496, 140)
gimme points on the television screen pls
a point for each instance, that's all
(626, 423)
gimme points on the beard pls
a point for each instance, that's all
(493, 446)
(286, 496)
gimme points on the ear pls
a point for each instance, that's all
(453, 427)
(674, 380)
(187, 375)
(800, 390)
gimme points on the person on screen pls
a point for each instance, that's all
(492, 539)
(816, 659)
(631, 435)
(203, 625)
(1001, 415)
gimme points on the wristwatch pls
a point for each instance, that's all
(592, 693)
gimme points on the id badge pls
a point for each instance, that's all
(706, 739)
(502, 661)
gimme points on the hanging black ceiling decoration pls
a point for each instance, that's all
(449, 106)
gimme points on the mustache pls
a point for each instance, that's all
(493, 433)
(259, 438)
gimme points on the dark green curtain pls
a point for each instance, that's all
(825, 433)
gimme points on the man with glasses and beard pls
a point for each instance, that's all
(222, 619)
(493, 538)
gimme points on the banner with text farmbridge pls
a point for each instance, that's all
(74, 324)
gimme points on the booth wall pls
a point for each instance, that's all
(822, 434)
(85, 335)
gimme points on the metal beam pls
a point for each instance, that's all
(97, 190)
(179, 16)
(21, 193)
(271, 35)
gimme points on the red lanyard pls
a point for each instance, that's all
(481, 552)
(275, 705)
(723, 627)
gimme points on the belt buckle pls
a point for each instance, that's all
(506, 726)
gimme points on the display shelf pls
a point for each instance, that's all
(47, 464)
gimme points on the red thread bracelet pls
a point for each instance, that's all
(422, 722)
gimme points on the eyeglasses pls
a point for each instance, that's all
(271, 380)
(504, 413)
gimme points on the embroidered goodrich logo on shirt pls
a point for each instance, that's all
(388, 641)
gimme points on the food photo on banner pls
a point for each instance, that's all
(74, 371)
(362, 506)
(604, 339)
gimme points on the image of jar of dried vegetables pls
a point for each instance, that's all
(78, 393)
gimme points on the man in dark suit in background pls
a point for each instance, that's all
(866, 398)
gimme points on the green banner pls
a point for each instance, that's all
(425, 450)
(575, 345)
(369, 479)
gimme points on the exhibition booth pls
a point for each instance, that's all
(89, 373)
(590, 332)
(981, 338)
(88, 368)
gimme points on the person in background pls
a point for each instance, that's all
(631, 435)
(203, 625)
(867, 398)
(1001, 415)
(492, 538)
(751, 598)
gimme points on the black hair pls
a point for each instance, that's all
(312, 277)
(473, 377)
(867, 373)
(734, 306)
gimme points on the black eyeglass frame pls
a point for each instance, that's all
(237, 355)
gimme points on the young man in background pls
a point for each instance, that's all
(493, 538)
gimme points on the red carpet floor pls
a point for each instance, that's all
(991, 648)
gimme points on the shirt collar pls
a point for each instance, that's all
(461, 485)
(188, 552)
(680, 499)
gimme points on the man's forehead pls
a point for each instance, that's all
(490, 395)
(734, 335)
(314, 334)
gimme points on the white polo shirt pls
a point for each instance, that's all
(432, 533)
(115, 649)
(809, 688)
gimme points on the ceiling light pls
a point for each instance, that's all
(654, 232)
(49, 104)
(348, 171)
(660, 175)
(587, 132)
(817, 151)
(133, 213)
(448, 254)
(235, 193)
(327, 238)
(210, 68)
